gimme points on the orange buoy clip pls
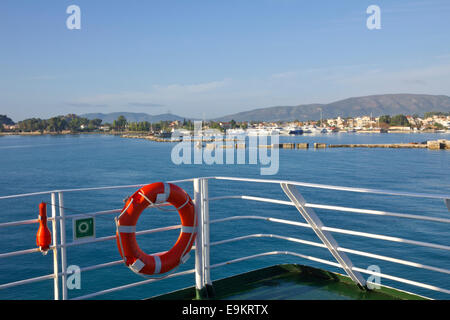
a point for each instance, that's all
(43, 236)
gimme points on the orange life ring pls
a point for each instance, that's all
(162, 262)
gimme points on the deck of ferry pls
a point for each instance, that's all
(290, 282)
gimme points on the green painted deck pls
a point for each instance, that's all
(290, 282)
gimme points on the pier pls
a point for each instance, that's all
(208, 143)
(441, 144)
(389, 145)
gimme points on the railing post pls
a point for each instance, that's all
(203, 282)
(62, 227)
(55, 249)
(199, 284)
(205, 238)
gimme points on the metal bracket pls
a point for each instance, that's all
(313, 220)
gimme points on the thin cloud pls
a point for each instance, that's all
(416, 82)
(164, 93)
(86, 105)
(145, 104)
(284, 75)
(443, 56)
(192, 88)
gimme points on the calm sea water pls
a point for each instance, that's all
(30, 164)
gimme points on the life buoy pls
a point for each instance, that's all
(162, 262)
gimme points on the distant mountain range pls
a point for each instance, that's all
(132, 117)
(376, 105)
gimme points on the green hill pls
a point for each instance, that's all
(376, 105)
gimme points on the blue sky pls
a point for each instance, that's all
(216, 57)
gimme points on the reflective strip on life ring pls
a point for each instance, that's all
(162, 262)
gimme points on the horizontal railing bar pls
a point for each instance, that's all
(394, 260)
(85, 189)
(337, 230)
(58, 218)
(76, 243)
(402, 280)
(410, 282)
(388, 238)
(260, 199)
(51, 276)
(334, 264)
(93, 214)
(102, 265)
(81, 215)
(22, 195)
(73, 216)
(19, 223)
(316, 244)
(132, 285)
(335, 208)
(378, 212)
(339, 188)
(113, 237)
(295, 223)
(303, 184)
(20, 252)
(26, 281)
(263, 235)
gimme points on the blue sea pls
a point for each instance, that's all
(40, 163)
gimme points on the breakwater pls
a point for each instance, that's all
(209, 143)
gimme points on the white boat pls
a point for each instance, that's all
(180, 133)
(306, 129)
(293, 130)
(236, 132)
(258, 132)
(274, 131)
(315, 130)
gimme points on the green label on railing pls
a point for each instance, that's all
(83, 228)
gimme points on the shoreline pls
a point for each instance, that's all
(439, 144)
(135, 134)
(56, 133)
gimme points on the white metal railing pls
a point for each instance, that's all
(203, 245)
